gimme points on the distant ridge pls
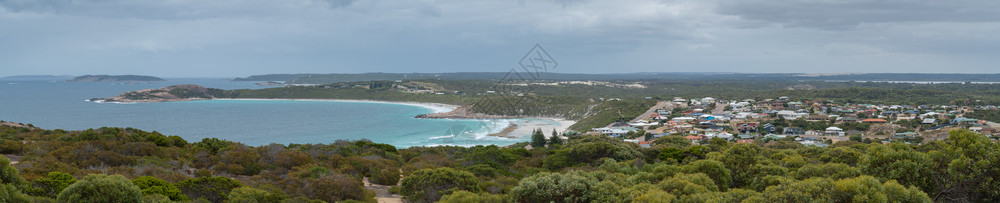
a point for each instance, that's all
(114, 78)
(354, 77)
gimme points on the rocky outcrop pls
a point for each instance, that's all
(166, 94)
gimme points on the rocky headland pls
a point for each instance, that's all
(166, 94)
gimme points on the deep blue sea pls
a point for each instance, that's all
(62, 105)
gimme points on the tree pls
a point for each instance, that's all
(860, 189)
(101, 188)
(714, 169)
(9, 193)
(537, 139)
(688, 184)
(9, 175)
(428, 185)
(10, 181)
(462, 196)
(555, 140)
(899, 162)
(965, 168)
(386, 177)
(828, 170)
(213, 189)
(553, 187)
(671, 153)
(52, 184)
(740, 159)
(672, 141)
(249, 194)
(151, 185)
(856, 138)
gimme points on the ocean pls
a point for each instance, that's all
(63, 105)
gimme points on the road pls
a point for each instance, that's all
(719, 108)
(659, 104)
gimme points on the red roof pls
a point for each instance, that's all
(747, 141)
(644, 142)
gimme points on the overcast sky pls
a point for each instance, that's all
(228, 38)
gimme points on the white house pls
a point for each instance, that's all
(834, 131)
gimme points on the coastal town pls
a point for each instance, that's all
(810, 123)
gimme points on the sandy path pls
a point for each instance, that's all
(382, 194)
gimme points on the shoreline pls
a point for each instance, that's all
(519, 127)
(434, 107)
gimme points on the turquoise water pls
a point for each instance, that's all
(62, 105)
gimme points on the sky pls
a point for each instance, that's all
(235, 38)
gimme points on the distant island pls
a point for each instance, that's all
(166, 94)
(114, 78)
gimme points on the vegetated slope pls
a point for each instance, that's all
(584, 169)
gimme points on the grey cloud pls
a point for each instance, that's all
(340, 3)
(834, 14)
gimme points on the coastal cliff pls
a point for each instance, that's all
(166, 94)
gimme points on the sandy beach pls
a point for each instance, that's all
(526, 125)
(523, 127)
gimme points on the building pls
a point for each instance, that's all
(794, 131)
(834, 131)
(746, 127)
(874, 120)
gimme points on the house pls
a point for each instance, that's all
(847, 119)
(644, 144)
(769, 128)
(694, 139)
(906, 134)
(874, 120)
(834, 131)
(613, 132)
(794, 131)
(791, 115)
(964, 120)
(746, 136)
(989, 131)
(813, 132)
(929, 121)
(775, 137)
(817, 118)
(746, 127)
(683, 119)
(707, 100)
(814, 143)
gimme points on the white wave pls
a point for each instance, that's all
(440, 137)
(100, 101)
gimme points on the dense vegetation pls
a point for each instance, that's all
(61, 165)
(990, 115)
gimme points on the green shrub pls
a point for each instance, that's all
(101, 188)
(151, 185)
